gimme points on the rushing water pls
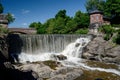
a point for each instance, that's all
(45, 47)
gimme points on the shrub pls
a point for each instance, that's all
(116, 39)
(3, 30)
(107, 29)
(107, 37)
(82, 31)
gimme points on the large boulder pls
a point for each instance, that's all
(101, 50)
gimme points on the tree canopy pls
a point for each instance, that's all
(1, 8)
(10, 18)
(63, 24)
(112, 9)
(94, 4)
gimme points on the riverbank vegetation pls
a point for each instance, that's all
(63, 24)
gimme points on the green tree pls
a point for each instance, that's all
(41, 29)
(112, 9)
(50, 24)
(70, 26)
(63, 24)
(10, 18)
(81, 19)
(61, 13)
(95, 4)
(35, 25)
(1, 8)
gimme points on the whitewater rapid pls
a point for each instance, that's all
(73, 52)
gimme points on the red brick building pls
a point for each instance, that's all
(96, 20)
(96, 17)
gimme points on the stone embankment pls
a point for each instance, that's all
(101, 50)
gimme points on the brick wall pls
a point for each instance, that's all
(96, 18)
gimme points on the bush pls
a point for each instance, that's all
(116, 25)
(3, 30)
(107, 29)
(82, 31)
(107, 37)
(116, 39)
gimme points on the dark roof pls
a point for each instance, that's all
(106, 17)
(95, 11)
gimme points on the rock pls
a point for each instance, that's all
(8, 65)
(101, 50)
(44, 72)
(61, 57)
(68, 73)
(77, 44)
(74, 74)
(58, 57)
(40, 79)
(3, 47)
(58, 77)
(61, 70)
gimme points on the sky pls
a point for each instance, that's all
(28, 11)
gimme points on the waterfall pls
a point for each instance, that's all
(44, 47)
(47, 43)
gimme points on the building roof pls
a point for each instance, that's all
(95, 11)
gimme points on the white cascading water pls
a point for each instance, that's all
(74, 49)
(73, 52)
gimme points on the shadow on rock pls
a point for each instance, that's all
(7, 71)
(15, 46)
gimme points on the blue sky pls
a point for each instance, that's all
(28, 11)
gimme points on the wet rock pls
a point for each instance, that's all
(77, 44)
(58, 57)
(61, 57)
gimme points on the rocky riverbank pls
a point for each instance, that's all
(97, 50)
(101, 50)
(3, 48)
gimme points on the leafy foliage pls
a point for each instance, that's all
(95, 4)
(112, 9)
(81, 19)
(82, 31)
(1, 8)
(10, 18)
(3, 30)
(35, 25)
(108, 30)
(62, 24)
(116, 39)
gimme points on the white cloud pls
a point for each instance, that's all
(25, 11)
(24, 24)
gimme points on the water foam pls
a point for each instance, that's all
(73, 52)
